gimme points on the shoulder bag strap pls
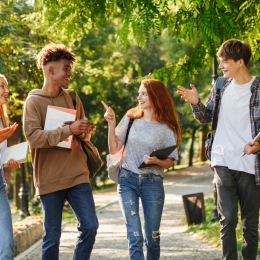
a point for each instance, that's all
(128, 129)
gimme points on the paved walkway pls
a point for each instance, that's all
(111, 240)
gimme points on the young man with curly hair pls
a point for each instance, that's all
(60, 174)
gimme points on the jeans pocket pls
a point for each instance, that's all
(124, 173)
(157, 178)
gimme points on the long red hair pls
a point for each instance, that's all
(162, 105)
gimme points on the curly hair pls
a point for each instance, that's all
(162, 104)
(54, 52)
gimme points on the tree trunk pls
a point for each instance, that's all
(191, 153)
(17, 186)
(14, 139)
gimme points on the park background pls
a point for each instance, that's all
(118, 43)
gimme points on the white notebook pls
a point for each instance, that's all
(55, 118)
(18, 152)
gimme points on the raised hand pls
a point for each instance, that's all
(189, 95)
(109, 115)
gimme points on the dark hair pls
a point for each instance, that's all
(54, 52)
(162, 104)
(236, 50)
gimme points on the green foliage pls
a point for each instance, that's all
(210, 21)
(17, 53)
(120, 42)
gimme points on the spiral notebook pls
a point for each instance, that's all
(160, 154)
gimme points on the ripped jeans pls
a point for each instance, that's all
(148, 187)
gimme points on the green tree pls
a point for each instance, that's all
(17, 50)
(204, 23)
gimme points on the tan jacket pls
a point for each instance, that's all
(54, 168)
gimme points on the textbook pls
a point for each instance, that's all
(160, 154)
(55, 118)
(18, 152)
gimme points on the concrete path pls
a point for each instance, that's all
(111, 242)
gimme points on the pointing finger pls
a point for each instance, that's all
(104, 104)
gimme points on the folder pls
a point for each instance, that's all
(55, 117)
(18, 152)
(160, 154)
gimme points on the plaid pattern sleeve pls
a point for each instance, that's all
(257, 170)
(204, 113)
(255, 121)
(201, 113)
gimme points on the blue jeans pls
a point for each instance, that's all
(233, 188)
(6, 229)
(149, 188)
(81, 201)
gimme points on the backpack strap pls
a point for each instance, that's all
(219, 83)
(218, 86)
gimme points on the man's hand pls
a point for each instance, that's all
(251, 147)
(80, 126)
(189, 95)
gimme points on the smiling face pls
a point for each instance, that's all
(143, 98)
(3, 90)
(61, 72)
(229, 67)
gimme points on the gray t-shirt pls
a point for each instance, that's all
(144, 138)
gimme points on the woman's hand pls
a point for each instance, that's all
(13, 165)
(6, 132)
(166, 163)
(109, 114)
(114, 145)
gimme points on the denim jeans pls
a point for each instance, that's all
(81, 201)
(6, 229)
(149, 188)
(233, 188)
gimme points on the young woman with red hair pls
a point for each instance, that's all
(155, 126)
